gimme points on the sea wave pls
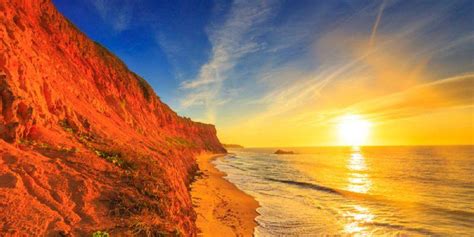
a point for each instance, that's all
(408, 194)
(460, 215)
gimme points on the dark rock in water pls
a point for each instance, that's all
(283, 152)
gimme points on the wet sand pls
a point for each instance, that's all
(222, 209)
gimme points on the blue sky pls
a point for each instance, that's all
(228, 62)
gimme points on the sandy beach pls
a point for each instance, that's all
(222, 209)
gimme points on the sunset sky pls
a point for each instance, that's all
(284, 73)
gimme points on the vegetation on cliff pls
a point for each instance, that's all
(86, 145)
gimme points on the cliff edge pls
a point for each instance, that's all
(85, 144)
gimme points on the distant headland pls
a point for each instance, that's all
(232, 146)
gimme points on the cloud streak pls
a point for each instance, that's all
(422, 99)
(376, 24)
(118, 15)
(231, 41)
(296, 77)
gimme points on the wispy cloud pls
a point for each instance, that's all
(376, 24)
(387, 81)
(173, 51)
(425, 98)
(231, 41)
(118, 15)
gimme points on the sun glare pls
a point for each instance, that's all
(353, 130)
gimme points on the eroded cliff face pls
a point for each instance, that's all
(85, 144)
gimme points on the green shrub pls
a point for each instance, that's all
(116, 158)
(67, 126)
(100, 234)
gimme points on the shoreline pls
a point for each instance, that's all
(222, 209)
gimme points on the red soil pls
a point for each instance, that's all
(85, 144)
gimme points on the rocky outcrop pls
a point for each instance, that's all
(283, 152)
(85, 144)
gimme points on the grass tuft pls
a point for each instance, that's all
(145, 229)
(116, 158)
(67, 126)
(100, 234)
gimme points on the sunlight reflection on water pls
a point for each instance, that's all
(358, 181)
(371, 191)
(358, 216)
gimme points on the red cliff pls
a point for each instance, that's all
(85, 144)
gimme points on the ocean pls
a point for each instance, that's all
(383, 191)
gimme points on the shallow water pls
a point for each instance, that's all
(358, 191)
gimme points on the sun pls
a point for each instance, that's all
(353, 130)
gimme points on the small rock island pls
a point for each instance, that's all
(283, 152)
